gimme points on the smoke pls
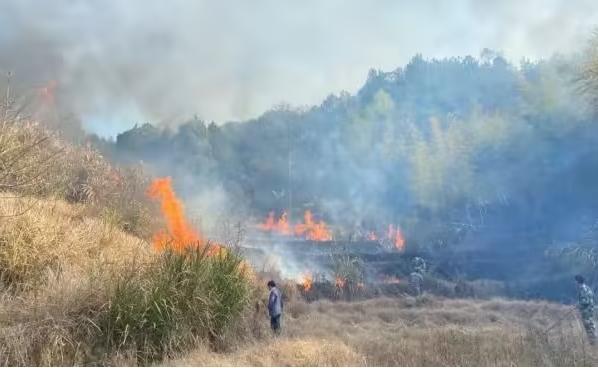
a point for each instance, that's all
(123, 62)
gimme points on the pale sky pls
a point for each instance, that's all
(118, 62)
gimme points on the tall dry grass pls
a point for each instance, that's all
(36, 163)
(78, 291)
(79, 285)
(424, 332)
(52, 238)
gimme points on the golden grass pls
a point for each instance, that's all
(279, 352)
(52, 237)
(35, 162)
(57, 266)
(405, 332)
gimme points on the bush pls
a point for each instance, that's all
(35, 162)
(179, 299)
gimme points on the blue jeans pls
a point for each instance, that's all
(275, 323)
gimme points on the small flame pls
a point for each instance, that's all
(396, 237)
(340, 282)
(307, 281)
(178, 234)
(372, 236)
(47, 92)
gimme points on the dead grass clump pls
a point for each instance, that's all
(280, 352)
(35, 162)
(52, 237)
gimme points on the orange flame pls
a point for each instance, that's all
(178, 234)
(396, 237)
(269, 224)
(307, 281)
(280, 226)
(311, 230)
(340, 282)
(372, 236)
(283, 225)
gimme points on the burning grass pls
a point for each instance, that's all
(309, 229)
(178, 234)
(77, 290)
(77, 287)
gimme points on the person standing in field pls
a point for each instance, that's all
(275, 306)
(416, 278)
(585, 304)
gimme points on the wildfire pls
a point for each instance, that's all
(340, 282)
(391, 280)
(280, 226)
(178, 234)
(396, 237)
(309, 229)
(307, 281)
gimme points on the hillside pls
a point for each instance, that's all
(82, 279)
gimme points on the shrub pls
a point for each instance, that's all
(180, 298)
(35, 162)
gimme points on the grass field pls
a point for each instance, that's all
(80, 284)
(405, 332)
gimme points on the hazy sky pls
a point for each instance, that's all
(118, 62)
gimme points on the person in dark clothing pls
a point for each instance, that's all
(275, 306)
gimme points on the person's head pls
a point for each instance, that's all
(271, 284)
(579, 279)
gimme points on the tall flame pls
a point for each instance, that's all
(311, 230)
(280, 226)
(178, 234)
(396, 237)
(307, 281)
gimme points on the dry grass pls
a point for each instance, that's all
(78, 291)
(35, 162)
(52, 237)
(57, 266)
(406, 332)
(280, 352)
